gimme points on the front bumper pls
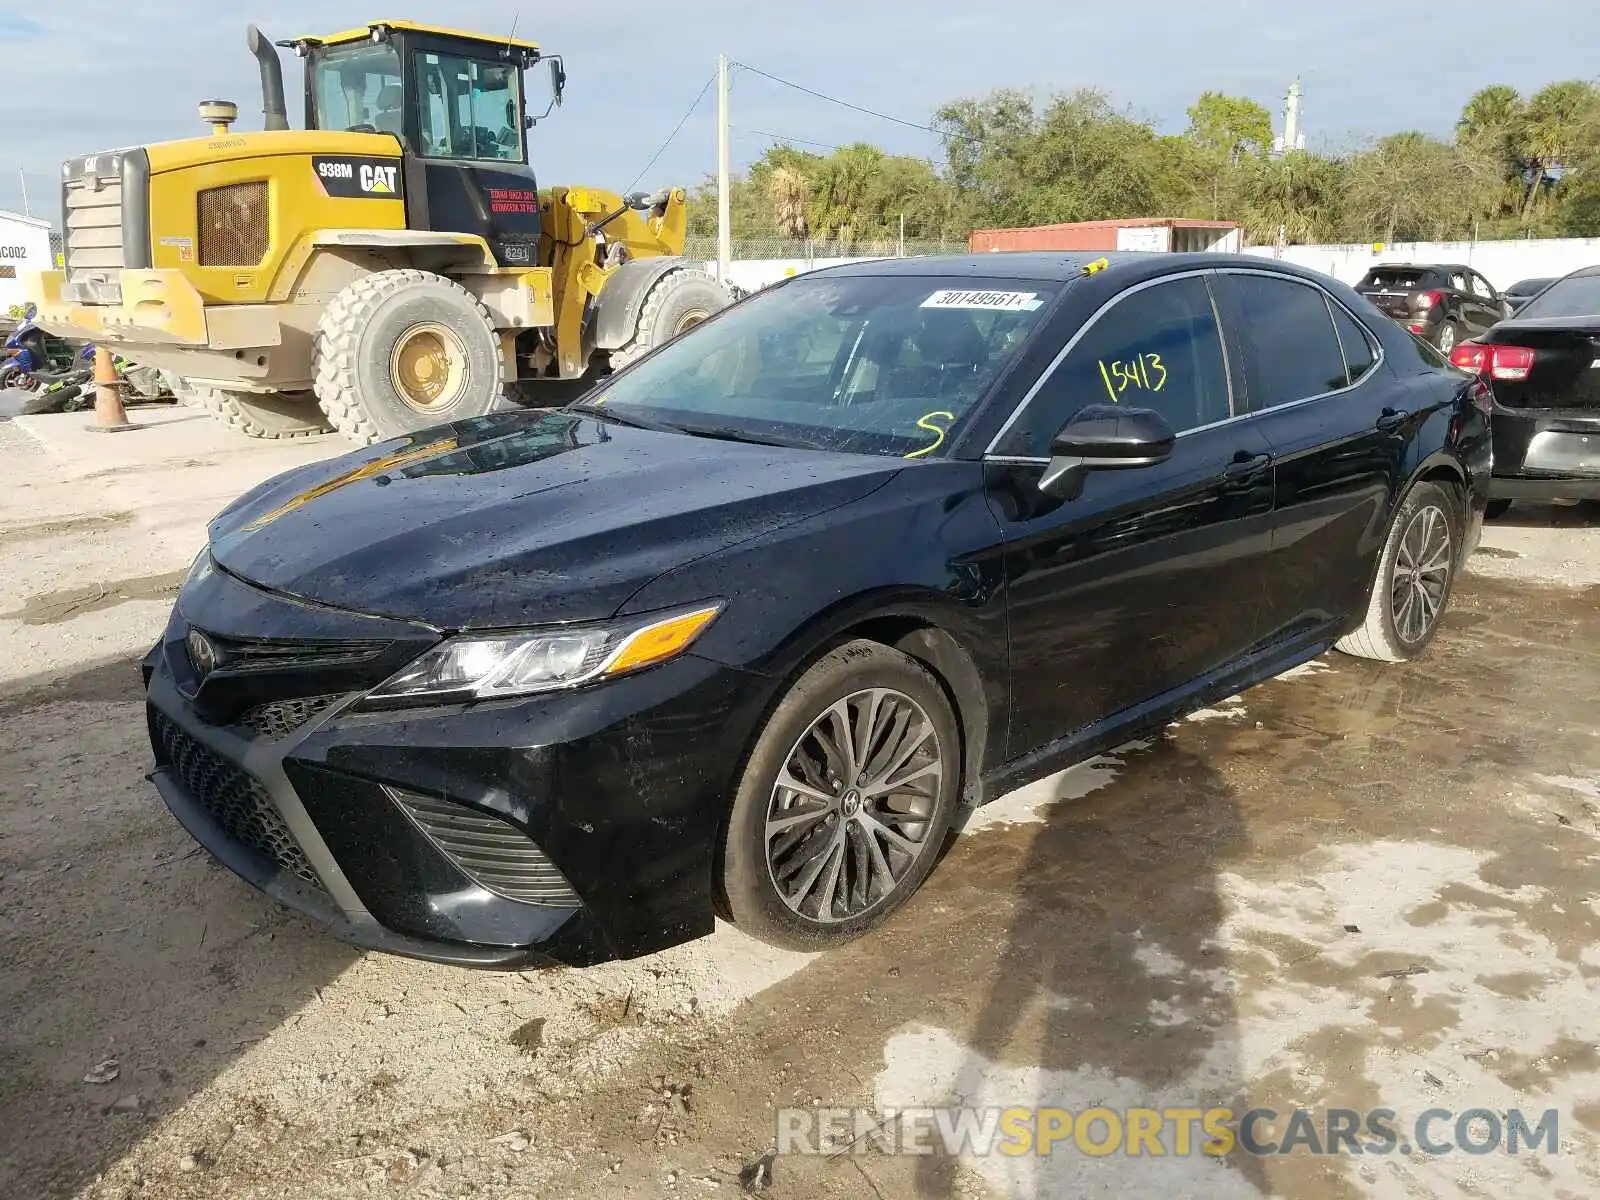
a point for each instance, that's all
(610, 798)
(1544, 455)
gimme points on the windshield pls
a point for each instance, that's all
(358, 87)
(1574, 296)
(1390, 277)
(885, 364)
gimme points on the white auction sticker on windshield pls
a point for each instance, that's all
(1004, 301)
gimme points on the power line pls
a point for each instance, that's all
(676, 129)
(783, 137)
(789, 83)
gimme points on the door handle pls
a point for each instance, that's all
(1245, 465)
(1392, 418)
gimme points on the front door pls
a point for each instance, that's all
(1151, 576)
(1340, 430)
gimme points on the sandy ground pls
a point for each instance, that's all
(1354, 887)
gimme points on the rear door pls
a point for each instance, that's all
(1339, 442)
(1151, 576)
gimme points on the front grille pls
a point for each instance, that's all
(280, 718)
(92, 246)
(487, 850)
(234, 800)
(232, 223)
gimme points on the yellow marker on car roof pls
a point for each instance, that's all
(1099, 264)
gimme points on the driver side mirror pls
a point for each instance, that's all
(1105, 437)
(558, 79)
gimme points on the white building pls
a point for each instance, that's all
(24, 246)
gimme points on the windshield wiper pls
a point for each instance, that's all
(619, 418)
(731, 433)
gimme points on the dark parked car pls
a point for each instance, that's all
(1523, 290)
(1443, 303)
(1543, 367)
(751, 628)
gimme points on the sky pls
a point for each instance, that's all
(85, 75)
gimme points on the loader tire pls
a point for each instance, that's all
(401, 350)
(272, 416)
(676, 303)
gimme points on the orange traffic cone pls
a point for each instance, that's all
(109, 415)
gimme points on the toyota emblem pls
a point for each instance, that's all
(202, 654)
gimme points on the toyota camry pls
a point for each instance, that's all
(753, 626)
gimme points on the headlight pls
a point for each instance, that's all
(200, 565)
(492, 665)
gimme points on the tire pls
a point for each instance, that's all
(368, 328)
(1448, 337)
(1386, 634)
(677, 302)
(1496, 510)
(272, 416)
(920, 814)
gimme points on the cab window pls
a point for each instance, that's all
(1156, 348)
(359, 88)
(470, 109)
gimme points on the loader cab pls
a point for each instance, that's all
(455, 103)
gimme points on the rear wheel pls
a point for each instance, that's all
(271, 415)
(845, 801)
(1415, 575)
(401, 350)
(677, 302)
(1449, 335)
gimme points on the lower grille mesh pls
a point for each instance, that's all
(280, 718)
(232, 798)
(489, 851)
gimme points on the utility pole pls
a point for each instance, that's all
(23, 176)
(724, 199)
(902, 235)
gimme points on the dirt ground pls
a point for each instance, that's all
(1357, 886)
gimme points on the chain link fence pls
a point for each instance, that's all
(747, 249)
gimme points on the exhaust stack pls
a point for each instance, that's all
(275, 114)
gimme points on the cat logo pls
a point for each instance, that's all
(354, 178)
(379, 181)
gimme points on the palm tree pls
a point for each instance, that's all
(789, 191)
(1554, 117)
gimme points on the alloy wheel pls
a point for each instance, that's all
(1421, 574)
(850, 812)
(1447, 339)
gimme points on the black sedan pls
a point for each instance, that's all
(1523, 290)
(1543, 366)
(751, 628)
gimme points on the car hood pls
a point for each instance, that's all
(521, 518)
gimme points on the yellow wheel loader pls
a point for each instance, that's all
(391, 266)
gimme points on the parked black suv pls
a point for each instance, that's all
(1445, 303)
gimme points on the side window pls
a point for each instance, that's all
(1458, 282)
(1291, 348)
(1158, 348)
(1359, 355)
(1480, 287)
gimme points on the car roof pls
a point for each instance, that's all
(1055, 266)
(1399, 266)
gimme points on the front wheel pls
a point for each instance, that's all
(677, 302)
(1415, 575)
(845, 801)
